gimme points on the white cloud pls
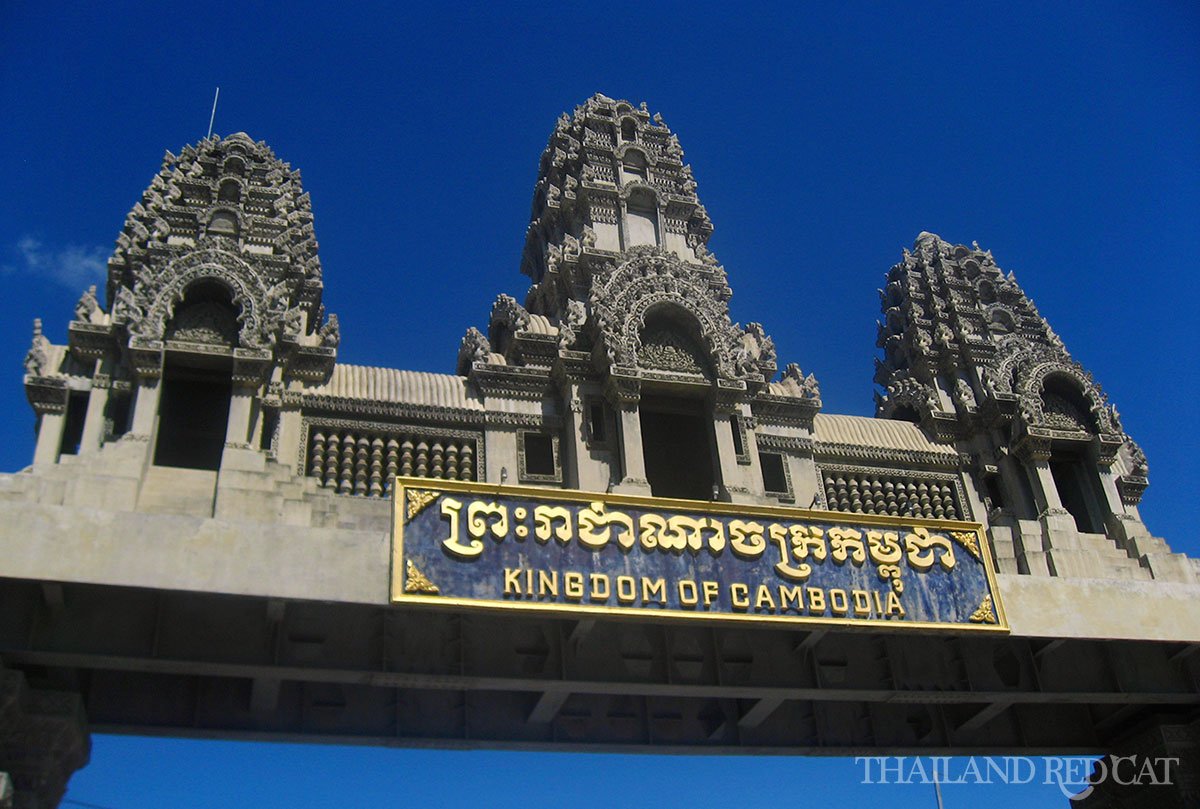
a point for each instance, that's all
(72, 266)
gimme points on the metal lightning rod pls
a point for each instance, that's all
(213, 117)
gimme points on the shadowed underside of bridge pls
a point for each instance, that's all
(187, 664)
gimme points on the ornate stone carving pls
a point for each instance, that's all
(87, 308)
(330, 333)
(652, 279)
(37, 359)
(225, 211)
(668, 351)
(474, 348)
(205, 322)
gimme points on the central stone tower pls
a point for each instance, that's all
(628, 314)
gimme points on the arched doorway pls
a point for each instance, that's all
(193, 410)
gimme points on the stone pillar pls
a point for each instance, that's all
(1155, 767)
(49, 437)
(633, 464)
(45, 740)
(145, 407)
(93, 422)
(739, 482)
(241, 412)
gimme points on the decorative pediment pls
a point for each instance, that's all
(667, 350)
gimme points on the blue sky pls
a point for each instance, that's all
(1062, 136)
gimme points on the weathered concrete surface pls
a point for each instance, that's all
(1038, 606)
(171, 552)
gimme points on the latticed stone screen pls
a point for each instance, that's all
(869, 492)
(364, 462)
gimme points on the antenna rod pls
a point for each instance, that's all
(213, 117)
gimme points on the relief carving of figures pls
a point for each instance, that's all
(757, 349)
(964, 394)
(330, 333)
(652, 279)
(571, 324)
(474, 348)
(293, 323)
(37, 359)
(808, 386)
(126, 308)
(87, 306)
(507, 316)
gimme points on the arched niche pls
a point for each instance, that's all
(207, 314)
(671, 340)
(1065, 406)
(230, 190)
(641, 218)
(633, 166)
(223, 223)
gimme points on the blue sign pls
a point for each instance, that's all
(501, 547)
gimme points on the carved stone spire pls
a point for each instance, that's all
(611, 178)
(623, 281)
(225, 210)
(965, 349)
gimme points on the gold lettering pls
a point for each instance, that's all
(746, 539)
(878, 603)
(544, 528)
(626, 589)
(893, 605)
(763, 600)
(710, 590)
(794, 541)
(573, 585)
(862, 602)
(838, 603)
(922, 546)
(739, 596)
(512, 581)
(791, 593)
(816, 599)
(451, 510)
(687, 593)
(885, 547)
(547, 583)
(654, 587)
(484, 517)
(650, 529)
(600, 587)
(847, 543)
(716, 535)
(596, 527)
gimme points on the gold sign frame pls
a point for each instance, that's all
(425, 594)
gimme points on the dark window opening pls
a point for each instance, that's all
(735, 427)
(773, 472)
(270, 425)
(677, 448)
(116, 414)
(596, 426)
(230, 191)
(628, 129)
(193, 414)
(539, 455)
(223, 223)
(72, 434)
(1071, 480)
(994, 492)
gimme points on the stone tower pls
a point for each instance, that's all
(214, 308)
(626, 297)
(967, 356)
